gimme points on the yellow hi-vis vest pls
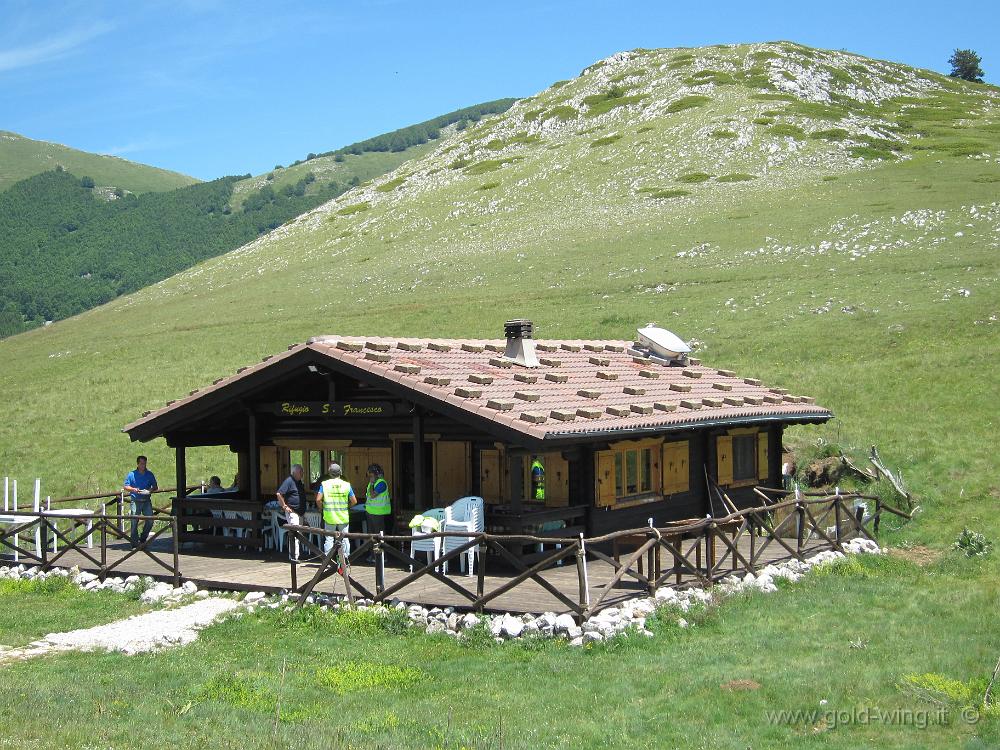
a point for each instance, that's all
(336, 501)
(540, 481)
(378, 504)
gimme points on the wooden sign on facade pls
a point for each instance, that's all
(331, 409)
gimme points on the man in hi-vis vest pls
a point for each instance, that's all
(334, 499)
(378, 505)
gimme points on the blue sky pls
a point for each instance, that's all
(210, 88)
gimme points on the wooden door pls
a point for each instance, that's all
(270, 469)
(556, 480)
(489, 475)
(356, 461)
(605, 492)
(451, 470)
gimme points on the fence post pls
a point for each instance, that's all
(581, 573)
(104, 540)
(176, 545)
(345, 566)
(377, 543)
(44, 536)
(481, 572)
(800, 514)
(836, 519)
(878, 516)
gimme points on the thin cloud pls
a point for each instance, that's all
(52, 48)
(152, 143)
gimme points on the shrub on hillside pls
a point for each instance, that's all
(972, 543)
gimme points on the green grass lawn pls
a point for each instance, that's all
(30, 609)
(850, 635)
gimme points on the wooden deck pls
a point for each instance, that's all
(233, 570)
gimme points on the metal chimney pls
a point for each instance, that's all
(520, 347)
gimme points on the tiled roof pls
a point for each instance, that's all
(580, 387)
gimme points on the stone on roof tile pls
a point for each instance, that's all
(691, 404)
(377, 346)
(614, 348)
(526, 396)
(437, 347)
(469, 392)
(641, 408)
(593, 347)
(589, 413)
(377, 357)
(535, 417)
(618, 411)
(641, 360)
(779, 391)
(408, 369)
(752, 381)
(754, 400)
(604, 375)
(680, 387)
(474, 348)
(648, 374)
(694, 361)
(481, 379)
(500, 405)
(666, 406)
(792, 399)
(713, 402)
(349, 346)
(733, 400)
(773, 399)
(587, 393)
(722, 386)
(808, 399)
(563, 415)
(504, 363)
(556, 377)
(437, 380)
(546, 347)
(524, 377)
(494, 348)
(550, 362)
(726, 373)
(406, 346)
(570, 347)
(691, 373)
(633, 391)
(599, 361)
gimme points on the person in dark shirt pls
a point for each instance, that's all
(291, 496)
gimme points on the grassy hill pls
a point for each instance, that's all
(359, 162)
(22, 157)
(815, 218)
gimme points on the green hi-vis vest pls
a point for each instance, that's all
(378, 504)
(336, 501)
(540, 482)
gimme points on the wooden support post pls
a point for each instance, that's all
(345, 567)
(836, 520)
(581, 574)
(181, 467)
(176, 545)
(44, 535)
(481, 573)
(418, 460)
(878, 516)
(253, 450)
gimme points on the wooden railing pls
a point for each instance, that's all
(700, 552)
(43, 526)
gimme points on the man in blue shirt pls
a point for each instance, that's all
(140, 484)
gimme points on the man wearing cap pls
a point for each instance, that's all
(334, 499)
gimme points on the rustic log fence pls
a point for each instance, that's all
(700, 552)
(109, 528)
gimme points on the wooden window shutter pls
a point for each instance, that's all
(762, 457)
(270, 468)
(605, 490)
(676, 476)
(556, 480)
(489, 475)
(724, 457)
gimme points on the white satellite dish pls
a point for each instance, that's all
(662, 342)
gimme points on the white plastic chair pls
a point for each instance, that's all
(11, 516)
(432, 545)
(465, 514)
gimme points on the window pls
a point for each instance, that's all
(744, 457)
(627, 472)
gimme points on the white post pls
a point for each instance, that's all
(16, 535)
(6, 493)
(36, 506)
